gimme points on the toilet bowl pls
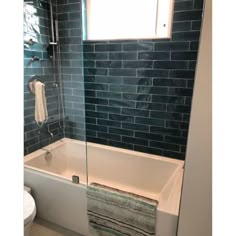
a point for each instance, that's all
(29, 212)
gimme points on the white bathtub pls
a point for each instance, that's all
(62, 202)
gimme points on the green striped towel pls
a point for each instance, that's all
(112, 212)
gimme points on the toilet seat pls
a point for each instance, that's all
(29, 208)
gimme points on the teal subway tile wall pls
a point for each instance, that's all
(133, 94)
(138, 92)
(37, 27)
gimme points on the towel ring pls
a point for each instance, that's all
(31, 82)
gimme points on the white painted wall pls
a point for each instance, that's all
(196, 202)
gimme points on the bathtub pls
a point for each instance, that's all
(49, 172)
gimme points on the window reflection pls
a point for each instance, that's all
(31, 24)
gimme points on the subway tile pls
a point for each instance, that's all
(191, 35)
(96, 86)
(165, 131)
(137, 81)
(72, 24)
(183, 5)
(135, 112)
(132, 126)
(179, 108)
(190, 84)
(121, 103)
(112, 95)
(109, 136)
(109, 123)
(95, 56)
(188, 101)
(186, 117)
(182, 74)
(122, 72)
(91, 133)
(171, 46)
(109, 109)
(149, 121)
(122, 118)
(177, 124)
(132, 140)
(108, 47)
(89, 64)
(120, 144)
(70, 40)
(153, 56)
(196, 25)
(139, 46)
(99, 101)
(75, 16)
(181, 91)
(90, 107)
(99, 128)
(115, 80)
(170, 65)
(88, 47)
(108, 64)
(122, 88)
(122, 56)
(181, 26)
(76, 48)
(74, 1)
(151, 106)
(145, 135)
(72, 70)
(166, 115)
(187, 15)
(95, 71)
(97, 140)
(198, 4)
(90, 120)
(152, 73)
(62, 17)
(68, 8)
(121, 131)
(174, 139)
(137, 64)
(152, 90)
(136, 97)
(97, 114)
(169, 82)
(184, 55)
(76, 32)
(194, 45)
(164, 146)
(168, 99)
(183, 148)
(71, 56)
(78, 106)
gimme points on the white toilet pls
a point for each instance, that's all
(29, 212)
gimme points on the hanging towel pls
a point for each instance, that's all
(112, 212)
(41, 113)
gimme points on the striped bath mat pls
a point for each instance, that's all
(112, 212)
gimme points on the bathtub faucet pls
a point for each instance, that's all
(51, 134)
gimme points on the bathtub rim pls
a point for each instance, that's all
(169, 184)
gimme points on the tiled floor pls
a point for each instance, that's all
(43, 228)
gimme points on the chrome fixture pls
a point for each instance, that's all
(51, 134)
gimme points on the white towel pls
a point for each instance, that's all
(41, 113)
